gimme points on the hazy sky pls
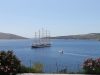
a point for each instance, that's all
(60, 17)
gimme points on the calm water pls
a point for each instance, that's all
(75, 52)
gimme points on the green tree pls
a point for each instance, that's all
(9, 63)
(92, 66)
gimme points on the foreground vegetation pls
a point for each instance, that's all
(92, 66)
(11, 65)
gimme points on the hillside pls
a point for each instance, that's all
(95, 36)
(10, 36)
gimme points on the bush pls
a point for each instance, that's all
(37, 67)
(92, 66)
(25, 69)
(9, 63)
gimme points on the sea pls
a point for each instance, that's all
(75, 52)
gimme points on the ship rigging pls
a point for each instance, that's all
(42, 39)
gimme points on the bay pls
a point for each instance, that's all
(75, 53)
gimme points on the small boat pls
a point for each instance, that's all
(61, 51)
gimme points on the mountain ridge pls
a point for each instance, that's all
(95, 36)
(10, 36)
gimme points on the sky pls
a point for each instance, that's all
(60, 17)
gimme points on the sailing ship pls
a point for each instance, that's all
(42, 39)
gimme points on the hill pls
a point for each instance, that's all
(10, 36)
(95, 36)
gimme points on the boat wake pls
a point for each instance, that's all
(76, 54)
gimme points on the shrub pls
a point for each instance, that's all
(38, 67)
(24, 69)
(92, 66)
(9, 63)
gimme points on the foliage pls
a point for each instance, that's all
(24, 69)
(38, 67)
(92, 66)
(9, 63)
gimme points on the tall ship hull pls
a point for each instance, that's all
(41, 46)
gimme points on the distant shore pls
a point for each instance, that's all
(91, 36)
(10, 36)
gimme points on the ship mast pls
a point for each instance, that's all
(48, 37)
(35, 38)
(39, 37)
(43, 36)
